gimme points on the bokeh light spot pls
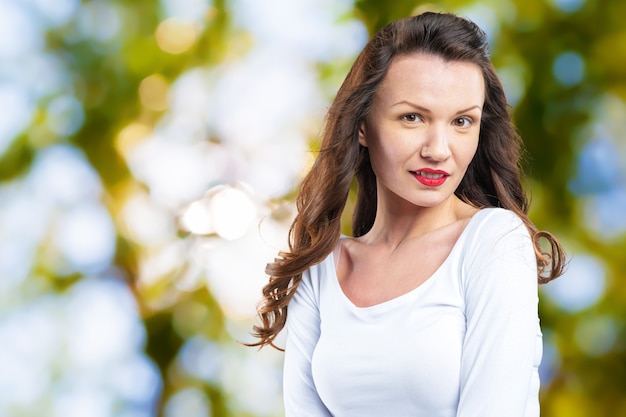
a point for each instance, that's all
(197, 218)
(100, 20)
(153, 92)
(581, 286)
(77, 400)
(596, 335)
(145, 222)
(605, 213)
(232, 212)
(175, 36)
(56, 12)
(65, 115)
(568, 68)
(130, 136)
(103, 323)
(512, 78)
(31, 340)
(201, 359)
(568, 5)
(17, 112)
(190, 402)
(175, 172)
(196, 11)
(19, 33)
(86, 236)
(136, 379)
(225, 210)
(61, 175)
(162, 263)
(599, 168)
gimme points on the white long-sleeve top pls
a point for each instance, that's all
(466, 342)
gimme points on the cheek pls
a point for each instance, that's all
(377, 158)
(383, 157)
(468, 151)
(382, 161)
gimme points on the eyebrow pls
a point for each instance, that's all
(424, 109)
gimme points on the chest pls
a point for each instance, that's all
(411, 359)
(370, 278)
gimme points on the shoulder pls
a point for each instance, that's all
(497, 233)
(495, 223)
(314, 277)
(500, 262)
(495, 216)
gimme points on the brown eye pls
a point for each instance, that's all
(462, 122)
(411, 118)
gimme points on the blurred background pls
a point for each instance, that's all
(149, 155)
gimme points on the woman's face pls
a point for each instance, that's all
(422, 131)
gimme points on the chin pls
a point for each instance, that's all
(430, 203)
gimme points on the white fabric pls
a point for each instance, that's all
(465, 343)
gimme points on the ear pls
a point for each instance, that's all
(362, 135)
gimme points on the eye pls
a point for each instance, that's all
(411, 118)
(462, 122)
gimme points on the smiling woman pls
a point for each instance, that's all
(430, 308)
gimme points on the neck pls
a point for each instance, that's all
(397, 221)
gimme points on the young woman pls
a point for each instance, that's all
(430, 308)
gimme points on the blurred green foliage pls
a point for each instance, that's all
(551, 118)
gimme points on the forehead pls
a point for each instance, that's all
(421, 76)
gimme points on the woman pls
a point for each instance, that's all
(430, 309)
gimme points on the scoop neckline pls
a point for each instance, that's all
(398, 300)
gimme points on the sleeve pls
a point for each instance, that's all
(502, 346)
(303, 330)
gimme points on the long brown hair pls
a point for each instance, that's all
(493, 178)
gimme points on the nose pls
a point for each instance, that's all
(436, 147)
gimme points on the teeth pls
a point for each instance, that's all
(429, 175)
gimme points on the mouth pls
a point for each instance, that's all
(430, 177)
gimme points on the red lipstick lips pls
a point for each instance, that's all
(430, 177)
